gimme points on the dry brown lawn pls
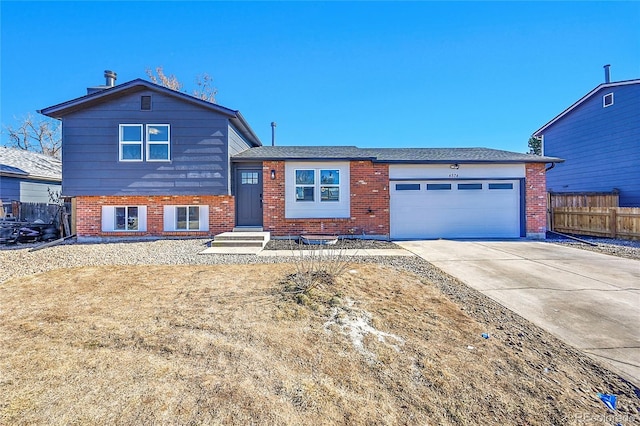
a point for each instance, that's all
(223, 345)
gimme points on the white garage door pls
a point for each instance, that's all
(455, 209)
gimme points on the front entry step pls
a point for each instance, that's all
(239, 242)
(248, 229)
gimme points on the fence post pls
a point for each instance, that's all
(15, 209)
(613, 222)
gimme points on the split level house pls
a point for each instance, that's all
(142, 160)
(599, 139)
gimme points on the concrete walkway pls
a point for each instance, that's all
(587, 299)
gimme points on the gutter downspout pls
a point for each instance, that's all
(550, 167)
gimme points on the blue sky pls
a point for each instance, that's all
(371, 74)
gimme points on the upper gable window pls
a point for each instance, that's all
(134, 136)
(607, 100)
(131, 142)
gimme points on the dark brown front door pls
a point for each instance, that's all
(249, 197)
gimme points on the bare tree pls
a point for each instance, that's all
(204, 83)
(38, 135)
(43, 135)
(168, 81)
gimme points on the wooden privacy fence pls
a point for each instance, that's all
(612, 222)
(583, 199)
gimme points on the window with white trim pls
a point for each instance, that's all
(317, 189)
(124, 218)
(305, 185)
(329, 185)
(131, 142)
(186, 218)
(308, 189)
(132, 137)
(158, 142)
(607, 100)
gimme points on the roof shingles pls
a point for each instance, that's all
(29, 164)
(390, 155)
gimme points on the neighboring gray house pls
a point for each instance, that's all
(599, 138)
(27, 177)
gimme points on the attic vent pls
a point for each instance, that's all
(607, 100)
(145, 103)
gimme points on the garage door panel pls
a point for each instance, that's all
(460, 212)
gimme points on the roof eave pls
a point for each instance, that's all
(254, 159)
(461, 161)
(28, 176)
(239, 122)
(61, 109)
(541, 130)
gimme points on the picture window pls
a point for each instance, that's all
(317, 184)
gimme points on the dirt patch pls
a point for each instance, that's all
(222, 345)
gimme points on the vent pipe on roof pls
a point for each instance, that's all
(110, 77)
(273, 133)
(607, 75)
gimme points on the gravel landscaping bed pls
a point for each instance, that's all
(341, 244)
(17, 260)
(622, 248)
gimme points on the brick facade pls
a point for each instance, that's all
(89, 214)
(369, 192)
(369, 207)
(536, 200)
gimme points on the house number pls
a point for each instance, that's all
(453, 175)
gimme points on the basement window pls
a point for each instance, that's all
(186, 218)
(145, 103)
(124, 218)
(607, 100)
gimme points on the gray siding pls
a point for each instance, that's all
(25, 190)
(37, 192)
(199, 156)
(237, 143)
(9, 189)
(601, 146)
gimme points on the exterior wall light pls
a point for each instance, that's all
(273, 174)
(454, 166)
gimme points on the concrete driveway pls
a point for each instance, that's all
(589, 300)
